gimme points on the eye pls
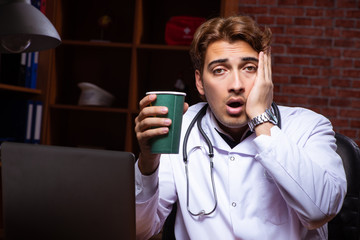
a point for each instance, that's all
(250, 68)
(218, 71)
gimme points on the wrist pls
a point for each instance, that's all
(149, 164)
(265, 117)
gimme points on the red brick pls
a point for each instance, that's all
(252, 10)
(294, 89)
(303, 31)
(299, 101)
(318, 101)
(283, 40)
(280, 99)
(303, 41)
(277, 49)
(343, 42)
(265, 20)
(352, 113)
(347, 4)
(328, 112)
(340, 102)
(352, 73)
(282, 60)
(305, 3)
(340, 122)
(267, 2)
(355, 104)
(350, 33)
(301, 60)
(352, 53)
(330, 72)
(346, 23)
(286, 2)
(325, 22)
(332, 52)
(280, 79)
(311, 71)
(328, 92)
(341, 83)
(303, 21)
(281, 69)
(253, 2)
(283, 11)
(306, 51)
(356, 84)
(285, 20)
(357, 63)
(355, 123)
(299, 80)
(349, 93)
(314, 12)
(321, 62)
(319, 82)
(353, 13)
(325, 3)
(339, 13)
(332, 32)
(343, 63)
(321, 42)
(277, 30)
(357, 24)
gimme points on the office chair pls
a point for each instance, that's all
(346, 225)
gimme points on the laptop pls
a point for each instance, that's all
(53, 192)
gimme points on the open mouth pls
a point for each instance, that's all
(235, 106)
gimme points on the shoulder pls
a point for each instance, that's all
(302, 118)
(299, 112)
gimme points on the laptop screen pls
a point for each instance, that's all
(53, 192)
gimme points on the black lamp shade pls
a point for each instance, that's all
(20, 21)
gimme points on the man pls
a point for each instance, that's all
(266, 182)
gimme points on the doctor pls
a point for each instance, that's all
(266, 182)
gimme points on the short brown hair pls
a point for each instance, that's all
(229, 29)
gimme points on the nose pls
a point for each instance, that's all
(236, 84)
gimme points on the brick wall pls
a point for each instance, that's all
(316, 56)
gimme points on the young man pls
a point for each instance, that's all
(266, 182)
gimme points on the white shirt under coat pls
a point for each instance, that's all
(285, 186)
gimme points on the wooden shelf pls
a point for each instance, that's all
(91, 108)
(8, 87)
(95, 43)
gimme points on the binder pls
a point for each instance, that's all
(37, 123)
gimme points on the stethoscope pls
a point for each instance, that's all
(197, 119)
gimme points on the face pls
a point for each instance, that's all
(227, 79)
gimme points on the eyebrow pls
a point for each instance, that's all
(223, 60)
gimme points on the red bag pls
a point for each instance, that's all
(180, 29)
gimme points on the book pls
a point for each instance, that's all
(33, 69)
(28, 69)
(37, 122)
(29, 121)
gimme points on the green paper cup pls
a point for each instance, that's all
(174, 101)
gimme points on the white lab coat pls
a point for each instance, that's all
(285, 186)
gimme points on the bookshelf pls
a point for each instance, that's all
(127, 58)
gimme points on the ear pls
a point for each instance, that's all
(199, 83)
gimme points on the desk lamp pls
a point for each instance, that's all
(24, 28)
